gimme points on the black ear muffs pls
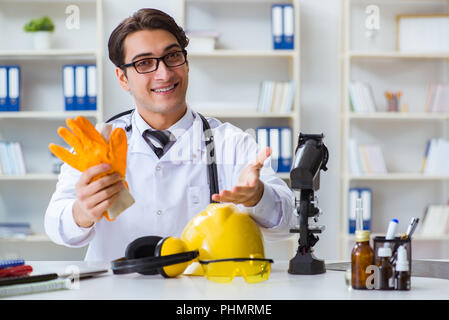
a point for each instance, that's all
(152, 255)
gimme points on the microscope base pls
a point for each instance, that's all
(306, 264)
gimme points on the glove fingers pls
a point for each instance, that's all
(70, 138)
(89, 130)
(118, 145)
(66, 156)
(77, 131)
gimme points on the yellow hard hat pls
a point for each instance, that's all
(222, 231)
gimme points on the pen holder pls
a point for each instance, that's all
(395, 243)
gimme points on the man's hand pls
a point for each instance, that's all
(95, 197)
(249, 189)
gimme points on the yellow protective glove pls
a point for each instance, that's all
(92, 149)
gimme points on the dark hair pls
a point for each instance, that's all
(143, 19)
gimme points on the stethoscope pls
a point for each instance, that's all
(210, 149)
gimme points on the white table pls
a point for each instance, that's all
(280, 286)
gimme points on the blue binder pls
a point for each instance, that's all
(68, 79)
(13, 100)
(91, 87)
(3, 88)
(277, 26)
(366, 195)
(80, 87)
(285, 155)
(288, 20)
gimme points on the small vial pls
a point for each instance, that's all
(362, 256)
(402, 275)
(385, 279)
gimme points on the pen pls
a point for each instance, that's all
(15, 271)
(27, 279)
(11, 263)
(391, 231)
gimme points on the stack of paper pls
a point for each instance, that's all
(11, 159)
(361, 97)
(275, 96)
(436, 221)
(436, 158)
(437, 98)
(365, 158)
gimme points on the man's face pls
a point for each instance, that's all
(146, 88)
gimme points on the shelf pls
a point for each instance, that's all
(416, 237)
(30, 177)
(245, 114)
(397, 55)
(397, 177)
(30, 238)
(52, 53)
(219, 53)
(398, 116)
(47, 115)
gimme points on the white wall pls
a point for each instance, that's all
(319, 92)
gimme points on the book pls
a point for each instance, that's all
(276, 96)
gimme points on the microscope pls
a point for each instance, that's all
(311, 156)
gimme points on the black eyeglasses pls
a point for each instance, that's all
(147, 65)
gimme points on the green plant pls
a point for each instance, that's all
(40, 24)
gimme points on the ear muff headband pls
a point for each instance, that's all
(124, 265)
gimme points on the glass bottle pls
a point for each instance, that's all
(385, 279)
(402, 275)
(362, 256)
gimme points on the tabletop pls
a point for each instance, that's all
(280, 286)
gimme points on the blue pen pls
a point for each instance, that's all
(11, 263)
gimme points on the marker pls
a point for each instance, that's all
(391, 231)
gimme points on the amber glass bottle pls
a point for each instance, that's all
(362, 256)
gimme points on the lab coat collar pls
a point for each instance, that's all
(188, 144)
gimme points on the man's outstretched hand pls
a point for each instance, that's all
(249, 188)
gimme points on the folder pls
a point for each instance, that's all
(366, 195)
(353, 196)
(288, 26)
(91, 72)
(262, 137)
(80, 87)
(274, 143)
(3, 88)
(277, 25)
(68, 79)
(13, 88)
(285, 159)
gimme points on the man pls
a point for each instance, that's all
(166, 162)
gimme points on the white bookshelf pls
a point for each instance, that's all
(235, 55)
(25, 198)
(404, 191)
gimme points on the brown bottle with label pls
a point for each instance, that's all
(362, 256)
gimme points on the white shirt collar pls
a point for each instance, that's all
(177, 129)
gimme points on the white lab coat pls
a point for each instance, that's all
(169, 191)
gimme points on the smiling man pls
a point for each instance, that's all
(167, 163)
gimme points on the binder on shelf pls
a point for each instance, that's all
(13, 88)
(437, 98)
(277, 26)
(361, 97)
(289, 26)
(285, 159)
(68, 78)
(91, 74)
(273, 142)
(3, 88)
(279, 139)
(80, 87)
(366, 195)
